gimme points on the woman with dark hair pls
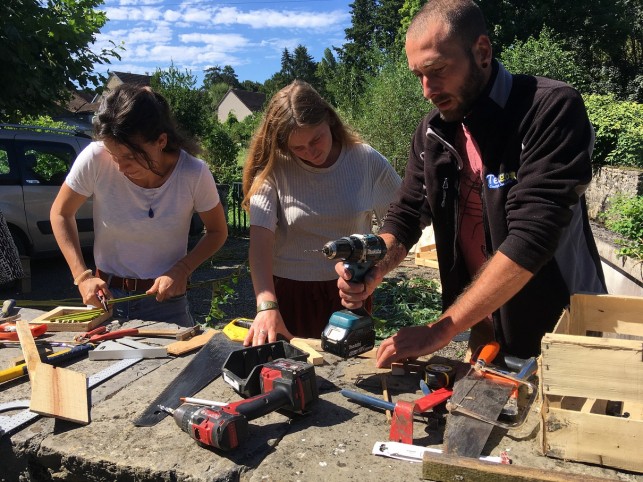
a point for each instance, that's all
(308, 179)
(146, 184)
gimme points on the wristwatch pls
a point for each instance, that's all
(267, 305)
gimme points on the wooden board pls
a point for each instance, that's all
(427, 256)
(48, 319)
(450, 467)
(180, 347)
(55, 392)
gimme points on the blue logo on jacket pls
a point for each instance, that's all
(503, 179)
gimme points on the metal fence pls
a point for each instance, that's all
(238, 221)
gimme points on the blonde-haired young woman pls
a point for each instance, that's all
(308, 179)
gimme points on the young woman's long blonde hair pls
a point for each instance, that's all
(296, 105)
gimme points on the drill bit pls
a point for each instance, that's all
(166, 409)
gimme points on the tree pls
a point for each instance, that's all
(390, 110)
(326, 74)
(388, 18)
(606, 35)
(303, 65)
(217, 75)
(45, 51)
(187, 103)
(546, 56)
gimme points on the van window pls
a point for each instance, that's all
(7, 175)
(46, 163)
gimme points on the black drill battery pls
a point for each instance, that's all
(348, 334)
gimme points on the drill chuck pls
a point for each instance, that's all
(358, 248)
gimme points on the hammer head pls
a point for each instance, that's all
(188, 333)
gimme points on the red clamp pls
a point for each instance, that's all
(8, 331)
(402, 423)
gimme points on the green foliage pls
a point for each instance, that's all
(217, 75)
(390, 110)
(222, 293)
(221, 154)
(625, 217)
(46, 50)
(45, 121)
(545, 56)
(401, 302)
(619, 131)
(187, 103)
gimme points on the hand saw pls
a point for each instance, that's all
(205, 367)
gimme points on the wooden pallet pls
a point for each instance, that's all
(427, 256)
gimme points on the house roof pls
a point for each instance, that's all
(135, 79)
(252, 100)
(81, 102)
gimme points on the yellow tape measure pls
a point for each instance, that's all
(237, 329)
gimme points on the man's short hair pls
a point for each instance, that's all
(463, 18)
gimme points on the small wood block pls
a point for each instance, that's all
(180, 347)
(451, 467)
(314, 357)
(49, 317)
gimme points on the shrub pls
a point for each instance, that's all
(625, 217)
(619, 131)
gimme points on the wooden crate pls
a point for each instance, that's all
(49, 317)
(592, 383)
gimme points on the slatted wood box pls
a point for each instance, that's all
(60, 311)
(592, 383)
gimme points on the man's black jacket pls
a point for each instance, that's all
(536, 141)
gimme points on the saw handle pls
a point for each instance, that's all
(486, 355)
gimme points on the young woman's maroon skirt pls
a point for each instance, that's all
(306, 306)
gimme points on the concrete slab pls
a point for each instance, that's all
(333, 442)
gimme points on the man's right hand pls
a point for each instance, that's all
(354, 294)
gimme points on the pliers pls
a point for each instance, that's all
(103, 333)
(103, 299)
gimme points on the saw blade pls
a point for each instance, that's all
(205, 367)
(9, 425)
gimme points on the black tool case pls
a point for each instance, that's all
(242, 367)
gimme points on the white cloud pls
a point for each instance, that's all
(227, 41)
(266, 18)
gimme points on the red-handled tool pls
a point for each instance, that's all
(8, 331)
(403, 412)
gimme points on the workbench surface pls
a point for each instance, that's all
(333, 442)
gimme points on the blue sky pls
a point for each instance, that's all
(249, 35)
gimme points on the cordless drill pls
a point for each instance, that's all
(352, 332)
(285, 384)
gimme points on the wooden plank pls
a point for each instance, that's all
(466, 436)
(314, 357)
(602, 368)
(445, 467)
(597, 439)
(180, 347)
(29, 349)
(55, 392)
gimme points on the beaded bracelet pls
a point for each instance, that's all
(81, 276)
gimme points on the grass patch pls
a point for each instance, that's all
(405, 302)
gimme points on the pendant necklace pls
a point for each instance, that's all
(150, 212)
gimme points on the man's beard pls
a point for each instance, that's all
(467, 95)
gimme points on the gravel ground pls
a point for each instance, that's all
(51, 280)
